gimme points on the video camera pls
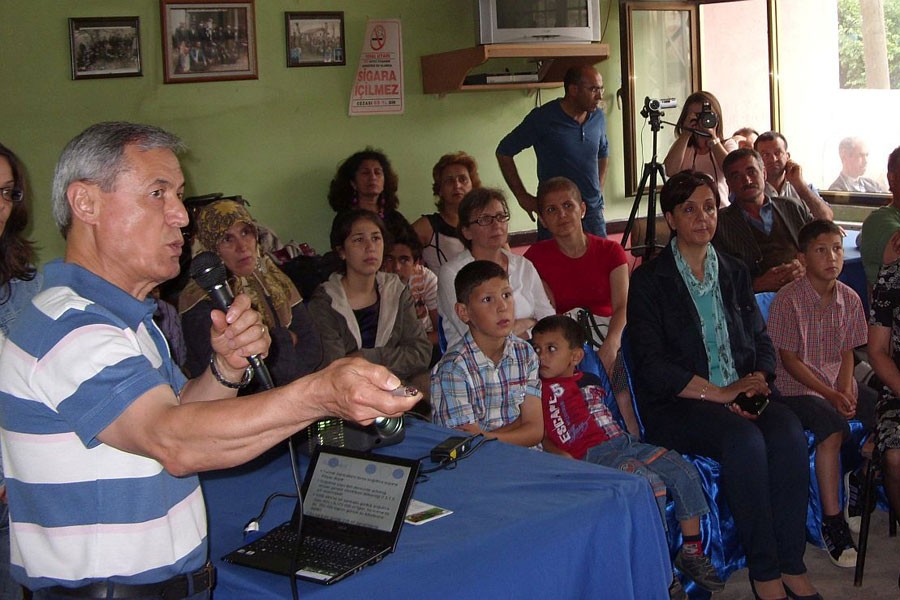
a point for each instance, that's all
(657, 105)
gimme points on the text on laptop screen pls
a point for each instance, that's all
(355, 491)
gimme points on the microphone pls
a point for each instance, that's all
(209, 273)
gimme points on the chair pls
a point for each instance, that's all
(870, 489)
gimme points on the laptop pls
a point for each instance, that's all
(354, 504)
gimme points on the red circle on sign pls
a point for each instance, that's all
(378, 38)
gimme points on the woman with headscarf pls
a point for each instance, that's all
(226, 228)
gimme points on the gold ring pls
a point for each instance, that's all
(263, 329)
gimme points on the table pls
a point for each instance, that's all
(526, 524)
(853, 273)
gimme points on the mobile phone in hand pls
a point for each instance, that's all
(754, 405)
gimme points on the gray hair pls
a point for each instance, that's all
(97, 155)
(848, 144)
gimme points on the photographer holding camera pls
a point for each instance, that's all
(699, 145)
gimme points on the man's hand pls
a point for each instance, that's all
(778, 276)
(793, 173)
(237, 334)
(356, 390)
(529, 203)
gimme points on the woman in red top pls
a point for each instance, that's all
(580, 270)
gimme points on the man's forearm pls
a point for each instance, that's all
(816, 205)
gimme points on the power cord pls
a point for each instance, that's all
(253, 524)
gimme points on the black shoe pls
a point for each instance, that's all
(791, 594)
(838, 542)
(699, 568)
(755, 595)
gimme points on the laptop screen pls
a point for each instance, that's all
(362, 491)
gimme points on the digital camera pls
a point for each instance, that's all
(707, 118)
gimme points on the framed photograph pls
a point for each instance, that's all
(208, 40)
(314, 39)
(105, 47)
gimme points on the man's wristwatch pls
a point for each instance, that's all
(246, 379)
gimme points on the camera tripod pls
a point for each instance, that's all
(652, 169)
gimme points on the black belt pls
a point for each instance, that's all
(176, 588)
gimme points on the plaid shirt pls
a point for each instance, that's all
(467, 387)
(817, 334)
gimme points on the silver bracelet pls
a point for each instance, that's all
(248, 375)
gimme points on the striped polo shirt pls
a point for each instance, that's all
(82, 511)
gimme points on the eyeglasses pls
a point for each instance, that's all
(485, 220)
(11, 194)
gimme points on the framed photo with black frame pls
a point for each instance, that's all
(102, 47)
(208, 40)
(314, 39)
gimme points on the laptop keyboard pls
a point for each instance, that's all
(316, 555)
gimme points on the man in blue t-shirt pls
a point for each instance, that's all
(569, 139)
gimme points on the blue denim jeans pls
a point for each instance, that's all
(659, 466)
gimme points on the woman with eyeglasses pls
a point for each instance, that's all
(363, 311)
(484, 228)
(226, 228)
(19, 282)
(454, 175)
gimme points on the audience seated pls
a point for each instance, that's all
(483, 223)
(784, 176)
(882, 224)
(697, 147)
(760, 229)
(854, 159)
(578, 424)
(698, 344)
(488, 383)
(454, 176)
(363, 311)
(226, 228)
(367, 180)
(815, 322)
(404, 258)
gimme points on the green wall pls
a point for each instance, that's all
(276, 140)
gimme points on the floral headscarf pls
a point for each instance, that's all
(271, 292)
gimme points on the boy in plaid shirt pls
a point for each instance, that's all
(489, 382)
(815, 322)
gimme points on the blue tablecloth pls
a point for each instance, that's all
(525, 525)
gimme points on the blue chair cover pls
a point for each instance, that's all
(764, 300)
